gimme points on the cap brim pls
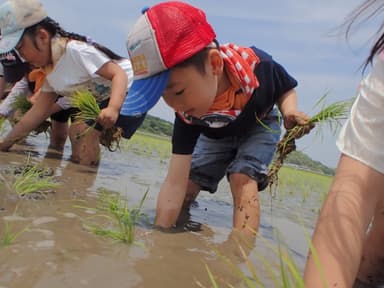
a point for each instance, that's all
(144, 94)
(9, 41)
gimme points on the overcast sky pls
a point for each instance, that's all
(302, 35)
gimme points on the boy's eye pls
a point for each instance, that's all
(179, 92)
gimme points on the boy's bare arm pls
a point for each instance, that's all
(173, 191)
(288, 107)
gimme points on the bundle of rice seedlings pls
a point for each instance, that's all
(331, 115)
(34, 183)
(21, 104)
(89, 110)
(20, 107)
(2, 120)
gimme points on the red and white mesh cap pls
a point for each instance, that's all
(164, 36)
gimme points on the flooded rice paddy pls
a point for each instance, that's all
(55, 249)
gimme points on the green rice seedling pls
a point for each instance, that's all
(89, 110)
(21, 106)
(34, 182)
(2, 120)
(211, 278)
(8, 236)
(331, 115)
(121, 219)
(5, 182)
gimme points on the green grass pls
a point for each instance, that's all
(9, 236)
(120, 219)
(302, 184)
(149, 145)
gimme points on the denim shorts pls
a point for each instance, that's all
(248, 154)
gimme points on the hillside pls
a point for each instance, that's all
(298, 159)
(156, 126)
(301, 160)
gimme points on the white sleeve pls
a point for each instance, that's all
(47, 88)
(126, 65)
(90, 58)
(20, 89)
(64, 103)
(362, 135)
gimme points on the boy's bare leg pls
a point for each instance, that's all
(193, 191)
(85, 144)
(59, 134)
(246, 207)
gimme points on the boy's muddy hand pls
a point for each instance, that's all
(295, 118)
(298, 118)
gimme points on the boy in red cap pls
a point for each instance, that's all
(224, 98)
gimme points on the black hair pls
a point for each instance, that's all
(363, 13)
(198, 59)
(54, 29)
(14, 68)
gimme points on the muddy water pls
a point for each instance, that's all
(57, 251)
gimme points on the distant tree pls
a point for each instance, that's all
(157, 126)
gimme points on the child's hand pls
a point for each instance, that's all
(5, 145)
(291, 119)
(108, 117)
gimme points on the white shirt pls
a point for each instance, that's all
(362, 136)
(76, 70)
(20, 89)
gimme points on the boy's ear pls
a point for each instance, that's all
(215, 61)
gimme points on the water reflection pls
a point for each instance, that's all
(179, 259)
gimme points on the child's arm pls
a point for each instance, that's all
(20, 89)
(173, 191)
(37, 114)
(288, 107)
(346, 214)
(110, 70)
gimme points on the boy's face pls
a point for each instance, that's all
(190, 91)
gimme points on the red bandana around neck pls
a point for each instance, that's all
(240, 63)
